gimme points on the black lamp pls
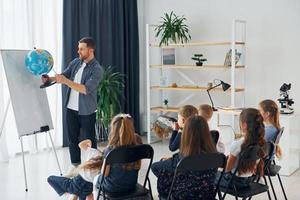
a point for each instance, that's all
(225, 86)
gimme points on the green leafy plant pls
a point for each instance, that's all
(109, 93)
(172, 28)
(199, 59)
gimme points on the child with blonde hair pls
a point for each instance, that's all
(184, 113)
(119, 178)
(270, 112)
(206, 111)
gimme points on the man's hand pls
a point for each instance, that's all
(45, 78)
(61, 79)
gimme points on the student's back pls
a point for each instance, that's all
(195, 140)
(270, 113)
(121, 178)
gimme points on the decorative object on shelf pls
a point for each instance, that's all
(225, 86)
(163, 81)
(285, 101)
(174, 85)
(199, 60)
(166, 103)
(163, 126)
(227, 61)
(209, 84)
(172, 28)
(109, 93)
(168, 56)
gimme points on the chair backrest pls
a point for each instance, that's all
(279, 134)
(269, 149)
(128, 154)
(199, 163)
(215, 135)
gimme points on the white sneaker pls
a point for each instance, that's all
(72, 172)
(72, 197)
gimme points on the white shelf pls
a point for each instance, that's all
(233, 43)
(195, 67)
(196, 44)
(194, 88)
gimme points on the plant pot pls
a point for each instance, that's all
(101, 131)
(199, 64)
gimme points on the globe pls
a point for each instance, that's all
(39, 62)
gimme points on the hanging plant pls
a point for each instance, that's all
(172, 28)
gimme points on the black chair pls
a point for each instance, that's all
(215, 136)
(272, 169)
(199, 163)
(255, 188)
(123, 155)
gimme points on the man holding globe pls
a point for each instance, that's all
(81, 77)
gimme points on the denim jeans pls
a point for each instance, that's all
(238, 182)
(76, 185)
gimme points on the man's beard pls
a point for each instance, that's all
(83, 57)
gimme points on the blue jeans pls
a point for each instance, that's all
(76, 185)
(238, 182)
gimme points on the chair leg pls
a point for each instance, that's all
(268, 192)
(272, 187)
(150, 190)
(281, 186)
(98, 196)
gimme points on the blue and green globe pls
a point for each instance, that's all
(39, 62)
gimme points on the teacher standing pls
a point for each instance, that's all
(81, 77)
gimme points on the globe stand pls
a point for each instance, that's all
(47, 84)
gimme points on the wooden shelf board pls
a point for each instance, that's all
(193, 88)
(162, 109)
(192, 44)
(193, 66)
(176, 109)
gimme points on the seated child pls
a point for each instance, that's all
(253, 131)
(270, 112)
(81, 185)
(119, 178)
(206, 111)
(184, 113)
(195, 140)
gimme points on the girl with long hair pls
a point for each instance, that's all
(195, 140)
(253, 131)
(120, 178)
(270, 112)
(81, 185)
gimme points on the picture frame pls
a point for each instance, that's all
(227, 61)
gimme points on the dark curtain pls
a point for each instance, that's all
(114, 26)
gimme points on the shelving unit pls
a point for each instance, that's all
(191, 88)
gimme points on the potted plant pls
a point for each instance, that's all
(109, 94)
(199, 59)
(172, 28)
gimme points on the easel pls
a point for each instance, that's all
(42, 129)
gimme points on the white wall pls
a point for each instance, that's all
(273, 29)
